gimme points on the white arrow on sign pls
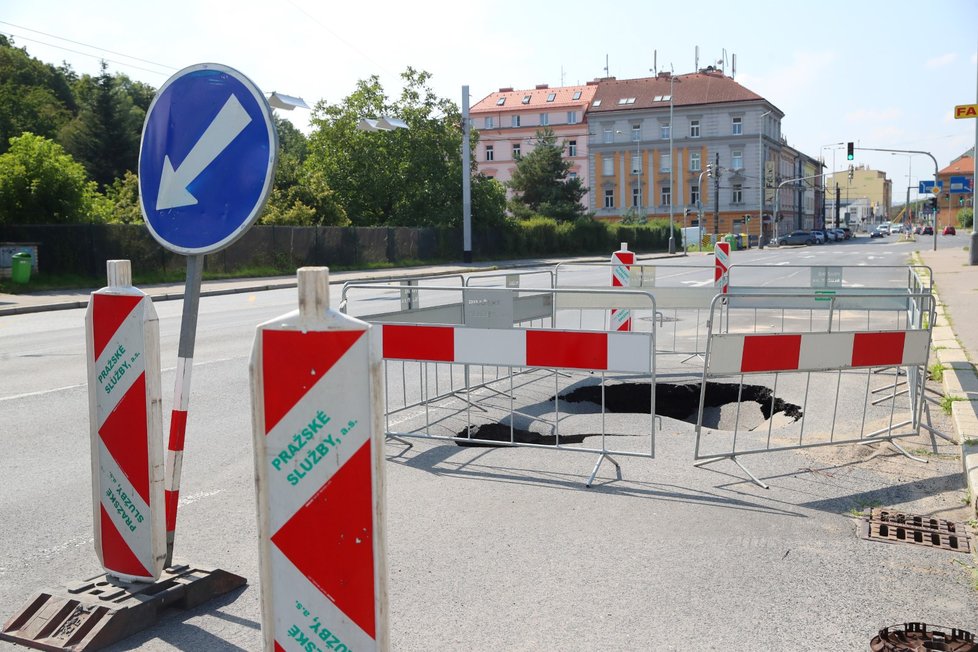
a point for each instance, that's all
(229, 122)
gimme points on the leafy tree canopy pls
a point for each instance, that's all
(407, 177)
(41, 184)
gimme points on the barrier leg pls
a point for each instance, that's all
(602, 457)
(732, 458)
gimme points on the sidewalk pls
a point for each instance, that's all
(955, 344)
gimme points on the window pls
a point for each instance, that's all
(489, 153)
(596, 103)
(737, 195)
(609, 136)
(577, 95)
(636, 133)
(572, 148)
(737, 126)
(516, 151)
(737, 159)
(665, 198)
(572, 175)
(636, 164)
(694, 194)
(572, 117)
(545, 119)
(694, 162)
(665, 163)
(515, 121)
(607, 166)
(609, 198)
(526, 99)
(490, 122)
(501, 101)
(626, 100)
(664, 132)
(694, 128)
(551, 97)
(636, 197)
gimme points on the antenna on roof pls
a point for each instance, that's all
(606, 73)
(733, 65)
(655, 63)
(561, 75)
(696, 67)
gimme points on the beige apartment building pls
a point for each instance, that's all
(871, 185)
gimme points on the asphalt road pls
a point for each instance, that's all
(504, 548)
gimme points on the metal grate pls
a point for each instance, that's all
(896, 527)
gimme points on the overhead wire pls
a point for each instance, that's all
(85, 54)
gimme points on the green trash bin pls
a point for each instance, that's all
(734, 244)
(20, 267)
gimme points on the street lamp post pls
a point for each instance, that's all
(761, 185)
(672, 166)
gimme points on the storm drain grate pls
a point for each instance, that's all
(896, 527)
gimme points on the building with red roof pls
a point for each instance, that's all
(950, 203)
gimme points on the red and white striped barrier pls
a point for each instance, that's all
(518, 347)
(721, 276)
(125, 410)
(744, 354)
(316, 401)
(621, 318)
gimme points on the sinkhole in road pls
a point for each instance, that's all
(682, 400)
(672, 400)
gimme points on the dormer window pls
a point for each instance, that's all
(551, 97)
(577, 95)
(501, 101)
(526, 99)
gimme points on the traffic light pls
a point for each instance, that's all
(849, 147)
(709, 170)
(686, 213)
(851, 170)
(932, 203)
(961, 200)
(747, 218)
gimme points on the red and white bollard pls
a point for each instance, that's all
(125, 411)
(317, 399)
(621, 260)
(721, 275)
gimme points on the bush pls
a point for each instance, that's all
(966, 217)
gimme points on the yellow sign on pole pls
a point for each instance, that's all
(966, 111)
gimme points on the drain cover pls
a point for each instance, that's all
(916, 637)
(896, 527)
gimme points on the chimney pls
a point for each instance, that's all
(508, 89)
(542, 86)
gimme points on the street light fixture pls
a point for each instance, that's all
(285, 102)
(383, 123)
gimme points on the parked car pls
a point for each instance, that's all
(949, 230)
(878, 232)
(848, 232)
(840, 235)
(918, 229)
(928, 230)
(818, 236)
(831, 235)
(794, 238)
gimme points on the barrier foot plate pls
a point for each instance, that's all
(94, 613)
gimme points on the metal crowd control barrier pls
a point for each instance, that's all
(816, 351)
(409, 299)
(682, 296)
(527, 279)
(516, 367)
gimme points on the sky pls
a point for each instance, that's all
(883, 74)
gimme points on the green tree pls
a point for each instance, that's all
(540, 182)
(104, 136)
(41, 184)
(34, 97)
(405, 177)
(966, 217)
(123, 200)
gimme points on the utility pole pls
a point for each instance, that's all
(837, 193)
(716, 197)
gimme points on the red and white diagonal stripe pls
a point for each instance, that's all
(736, 354)
(127, 441)
(518, 347)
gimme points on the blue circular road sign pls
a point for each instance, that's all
(206, 159)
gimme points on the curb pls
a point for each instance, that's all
(960, 380)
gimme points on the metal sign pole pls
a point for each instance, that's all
(181, 396)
